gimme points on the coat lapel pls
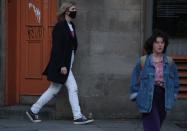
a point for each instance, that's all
(66, 26)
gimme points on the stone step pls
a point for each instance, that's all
(18, 112)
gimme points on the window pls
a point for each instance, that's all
(171, 17)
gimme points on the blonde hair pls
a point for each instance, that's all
(63, 8)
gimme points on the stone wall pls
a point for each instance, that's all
(110, 37)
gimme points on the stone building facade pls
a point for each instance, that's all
(110, 34)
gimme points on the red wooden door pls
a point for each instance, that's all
(37, 20)
(30, 23)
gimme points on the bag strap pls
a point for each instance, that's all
(142, 61)
(170, 60)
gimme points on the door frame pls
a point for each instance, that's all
(12, 53)
(13, 47)
(148, 18)
(2, 51)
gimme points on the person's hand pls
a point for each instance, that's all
(63, 70)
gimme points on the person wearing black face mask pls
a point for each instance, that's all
(72, 14)
(58, 70)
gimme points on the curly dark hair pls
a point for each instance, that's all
(148, 46)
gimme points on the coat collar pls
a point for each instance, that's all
(150, 62)
(65, 25)
(68, 29)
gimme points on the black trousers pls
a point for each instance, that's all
(153, 120)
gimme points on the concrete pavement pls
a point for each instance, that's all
(67, 125)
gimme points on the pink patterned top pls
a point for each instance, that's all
(159, 80)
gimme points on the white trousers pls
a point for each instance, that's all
(54, 88)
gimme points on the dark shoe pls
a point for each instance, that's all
(83, 120)
(33, 117)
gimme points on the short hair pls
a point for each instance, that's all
(148, 45)
(63, 8)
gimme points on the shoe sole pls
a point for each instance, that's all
(35, 121)
(85, 122)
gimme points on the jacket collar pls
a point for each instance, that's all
(150, 62)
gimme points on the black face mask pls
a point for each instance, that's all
(72, 14)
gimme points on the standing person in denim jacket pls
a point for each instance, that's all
(154, 82)
(59, 69)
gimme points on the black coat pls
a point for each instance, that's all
(62, 45)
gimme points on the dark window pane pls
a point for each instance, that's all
(171, 17)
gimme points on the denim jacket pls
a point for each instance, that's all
(142, 84)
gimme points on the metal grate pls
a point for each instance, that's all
(181, 62)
